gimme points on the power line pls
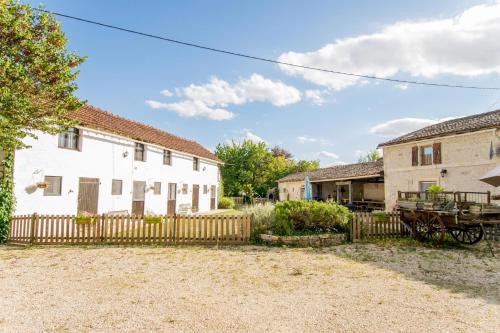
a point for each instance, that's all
(242, 55)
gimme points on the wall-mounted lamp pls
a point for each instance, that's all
(443, 172)
(125, 154)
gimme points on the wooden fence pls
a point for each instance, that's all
(365, 226)
(104, 229)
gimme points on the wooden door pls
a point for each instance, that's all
(88, 195)
(213, 195)
(138, 198)
(196, 198)
(172, 198)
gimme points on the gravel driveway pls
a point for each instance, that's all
(347, 288)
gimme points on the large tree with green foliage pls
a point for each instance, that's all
(252, 168)
(370, 156)
(37, 74)
(37, 83)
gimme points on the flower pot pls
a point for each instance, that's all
(84, 220)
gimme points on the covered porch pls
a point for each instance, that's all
(360, 194)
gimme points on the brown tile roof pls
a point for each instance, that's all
(455, 126)
(346, 171)
(93, 117)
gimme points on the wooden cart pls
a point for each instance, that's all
(460, 214)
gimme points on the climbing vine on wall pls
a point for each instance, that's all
(6, 195)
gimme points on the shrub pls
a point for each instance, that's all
(435, 189)
(263, 218)
(226, 203)
(380, 216)
(309, 217)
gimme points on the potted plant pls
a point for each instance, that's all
(434, 200)
(84, 218)
(152, 219)
(42, 185)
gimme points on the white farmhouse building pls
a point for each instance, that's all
(108, 164)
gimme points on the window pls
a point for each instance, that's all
(184, 188)
(196, 164)
(70, 139)
(205, 189)
(157, 188)
(54, 184)
(426, 155)
(116, 187)
(167, 157)
(140, 152)
(425, 185)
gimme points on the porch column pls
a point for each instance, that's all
(339, 194)
(350, 193)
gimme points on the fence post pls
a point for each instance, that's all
(34, 218)
(174, 233)
(102, 230)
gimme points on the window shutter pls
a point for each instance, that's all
(436, 152)
(414, 156)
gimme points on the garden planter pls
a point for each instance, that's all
(484, 209)
(431, 205)
(42, 185)
(84, 220)
(312, 240)
(412, 205)
(152, 219)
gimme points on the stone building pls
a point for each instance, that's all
(453, 154)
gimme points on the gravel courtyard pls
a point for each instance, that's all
(380, 287)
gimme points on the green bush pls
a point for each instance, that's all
(435, 189)
(309, 217)
(226, 203)
(263, 219)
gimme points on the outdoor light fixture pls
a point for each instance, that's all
(443, 172)
(125, 154)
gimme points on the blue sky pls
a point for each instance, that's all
(214, 98)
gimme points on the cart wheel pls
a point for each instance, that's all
(428, 227)
(468, 235)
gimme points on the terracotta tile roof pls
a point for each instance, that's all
(455, 126)
(93, 117)
(338, 172)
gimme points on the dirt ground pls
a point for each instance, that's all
(383, 287)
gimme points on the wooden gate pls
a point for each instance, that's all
(172, 198)
(213, 195)
(88, 195)
(196, 198)
(138, 197)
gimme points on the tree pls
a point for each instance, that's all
(37, 77)
(370, 157)
(280, 151)
(253, 169)
(37, 74)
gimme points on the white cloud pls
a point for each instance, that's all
(465, 45)
(327, 155)
(245, 134)
(253, 137)
(166, 93)
(210, 99)
(188, 108)
(304, 139)
(315, 96)
(402, 126)
(402, 86)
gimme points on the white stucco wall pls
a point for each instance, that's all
(466, 158)
(102, 156)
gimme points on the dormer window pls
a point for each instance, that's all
(70, 139)
(140, 152)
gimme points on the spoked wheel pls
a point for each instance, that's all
(429, 227)
(469, 234)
